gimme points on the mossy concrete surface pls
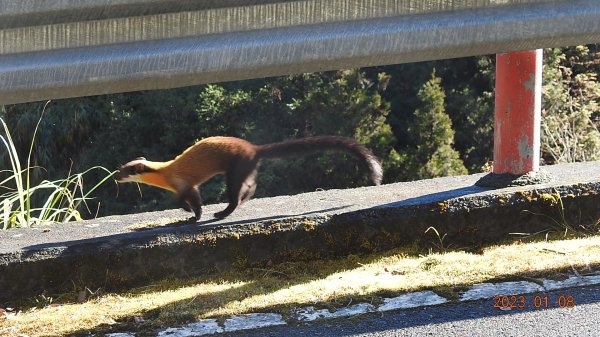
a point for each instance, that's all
(122, 251)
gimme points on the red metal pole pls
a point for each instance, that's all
(517, 114)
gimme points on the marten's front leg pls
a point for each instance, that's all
(191, 201)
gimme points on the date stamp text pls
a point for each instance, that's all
(508, 302)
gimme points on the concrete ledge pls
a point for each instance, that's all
(107, 253)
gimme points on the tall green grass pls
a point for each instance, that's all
(60, 199)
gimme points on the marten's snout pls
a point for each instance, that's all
(124, 172)
(121, 174)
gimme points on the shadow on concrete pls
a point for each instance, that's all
(241, 222)
(143, 235)
(435, 197)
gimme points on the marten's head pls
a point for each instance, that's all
(134, 171)
(144, 171)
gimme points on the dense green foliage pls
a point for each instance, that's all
(423, 120)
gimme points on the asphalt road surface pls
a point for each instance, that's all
(478, 318)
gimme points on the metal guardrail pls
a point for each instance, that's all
(69, 48)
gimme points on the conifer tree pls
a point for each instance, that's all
(434, 155)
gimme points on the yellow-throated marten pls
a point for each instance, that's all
(238, 159)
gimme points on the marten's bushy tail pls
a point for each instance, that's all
(321, 144)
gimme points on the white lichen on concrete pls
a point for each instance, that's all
(311, 314)
(357, 309)
(119, 334)
(412, 300)
(489, 290)
(200, 328)
(573, 281)
(253, 321)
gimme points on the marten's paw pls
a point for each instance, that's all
(220, 215)
(185, 206)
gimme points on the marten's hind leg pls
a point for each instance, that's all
(236, 178)
(248, 187)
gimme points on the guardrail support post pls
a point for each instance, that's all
(517, 121)
(517, 114)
